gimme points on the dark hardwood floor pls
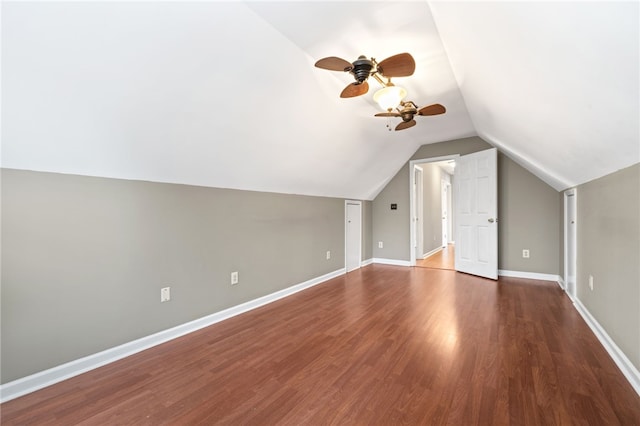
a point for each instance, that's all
(382, 345)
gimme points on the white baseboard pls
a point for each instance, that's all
(529, 275)
(432, 252)
(391, 262)
(628, 369)
(366, 262)
(48, 377)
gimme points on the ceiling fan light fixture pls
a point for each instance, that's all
(389, 97)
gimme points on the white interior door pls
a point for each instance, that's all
(418, 206)
(353, 235)
(476, 214)
(570, 242)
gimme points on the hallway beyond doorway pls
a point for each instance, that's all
(444, 259)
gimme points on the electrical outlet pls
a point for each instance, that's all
(165, 294)
(525, 253)
(328, 255)
(380, 245)
(591, 282)
(234, 278)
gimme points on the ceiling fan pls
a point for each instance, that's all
(400, 65)
(407, 110)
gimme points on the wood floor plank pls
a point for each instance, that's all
(380, 345)
(443, 259)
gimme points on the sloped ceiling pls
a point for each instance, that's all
(225, 94)
(555, 85)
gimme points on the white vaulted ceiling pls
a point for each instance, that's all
(226, 94)
(553, 84)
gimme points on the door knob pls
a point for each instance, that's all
(491, 220)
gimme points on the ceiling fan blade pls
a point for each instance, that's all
(333, 63)
(434, 109)
(400, 65)
(406, 125)
(388, 114)
(355, 89)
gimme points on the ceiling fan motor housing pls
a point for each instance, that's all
(362, 68)
(408, 111)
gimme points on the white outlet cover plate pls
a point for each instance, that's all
(165, 294)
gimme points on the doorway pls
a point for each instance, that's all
(431, 197)
(475, 207)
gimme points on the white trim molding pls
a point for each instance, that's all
(530, 275)
(624, 364)
(42, 379)
(394, 262)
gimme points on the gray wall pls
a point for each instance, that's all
(529, 214)
(528, 211)
(84, 258)
(391, 226)
(608, 237)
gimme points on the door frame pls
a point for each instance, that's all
(570, 197)
(412, 201)
(346, 246)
